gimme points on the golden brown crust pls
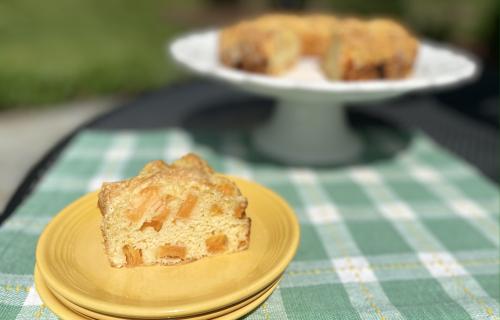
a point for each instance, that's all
(152, 167)
(145, 187)
(192, 161)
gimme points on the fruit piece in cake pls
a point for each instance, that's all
(172, 214)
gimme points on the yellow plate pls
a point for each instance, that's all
(71, 258)
(64, 312)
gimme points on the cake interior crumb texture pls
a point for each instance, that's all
(172, 214)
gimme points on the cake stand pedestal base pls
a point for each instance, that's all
(306, 132)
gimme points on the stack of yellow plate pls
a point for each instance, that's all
(75, 280)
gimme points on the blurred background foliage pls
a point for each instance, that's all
(55, 50)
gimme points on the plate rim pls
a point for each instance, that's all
(101, 306)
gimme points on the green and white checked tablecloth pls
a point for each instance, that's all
(413, 236)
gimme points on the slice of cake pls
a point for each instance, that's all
(259, 47)
(171, 214)
(364, 50)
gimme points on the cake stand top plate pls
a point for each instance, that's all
(436, 66)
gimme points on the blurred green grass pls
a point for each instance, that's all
(55, 50)
(59, 49)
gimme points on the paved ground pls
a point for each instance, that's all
(25, 135)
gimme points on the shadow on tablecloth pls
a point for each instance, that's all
(219, 124)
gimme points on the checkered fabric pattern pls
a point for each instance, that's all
(414, 235)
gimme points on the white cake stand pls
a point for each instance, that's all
(309, 124)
